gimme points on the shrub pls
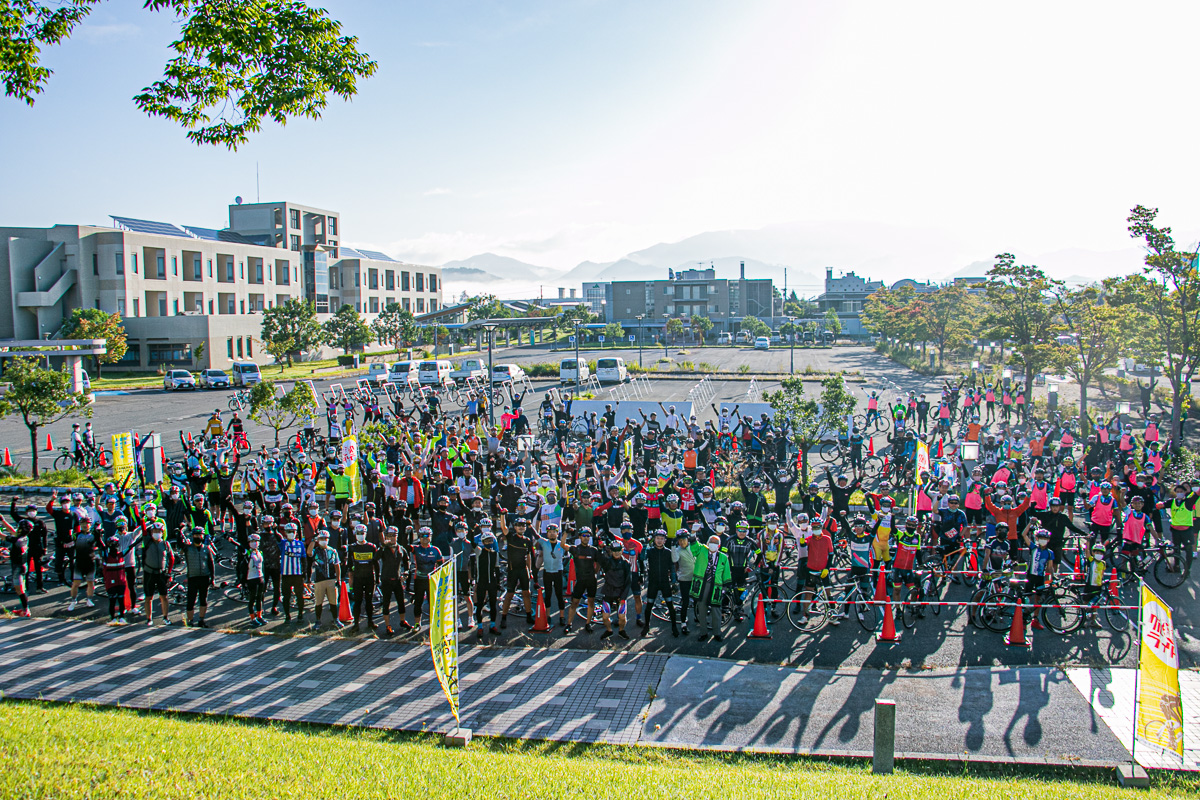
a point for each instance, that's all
(707, 367)
(743, 368)
(686, 366)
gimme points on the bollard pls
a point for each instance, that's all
(884, 756)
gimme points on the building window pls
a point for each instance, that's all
(279, 218)
(249, 347)
(258, 270)
(132, 355)
(210, 268)
(420, 281)
(404, 285)
(210, 308)
(239, 347)
(420, 305)
(358, 307)
(357, 278)
(96, 264)
(176, 306)
(243, 306)
(170, 354)
(160, 262)
(120, 263)
(294, 216)
(374, 305)
(136, 308)
(389, 280)
(121, 306)
(433, 304)
(404, 301)
(229, 346)
(432, 282)
(175, 265)
(372, 279)
(333, 226)
(242, 270)
(229, 270)
(295, 242)
(133, 262)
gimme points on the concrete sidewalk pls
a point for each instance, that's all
(1025, 714)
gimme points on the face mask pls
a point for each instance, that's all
(721, 529)
(156, 536)
(254, 545)
(197, 542)
(714, 547)
(461, 534)
(361, 537)
(289, 536)
(489, 544)
(772, 526)
(1179, 495)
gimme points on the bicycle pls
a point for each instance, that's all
(90, 459)
(1170, 568)
(239, 400)
(822, 604)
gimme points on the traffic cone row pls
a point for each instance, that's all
(541, 623)
(760, 630)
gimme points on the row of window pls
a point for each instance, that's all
(232, 305)
(159, 354)
(417, 282)
(375, 305)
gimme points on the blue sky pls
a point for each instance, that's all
(577, 129)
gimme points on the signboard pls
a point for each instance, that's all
(922, 460)
(1159, 707)
(601, 337)
(122, 448)
(443, 631)
(571, 339)
(632, 338)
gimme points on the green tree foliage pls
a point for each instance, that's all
(280, 410)
(1099, 333)
(832, 323)
(235, 64)
(1168, 293)
(701, 325)
(947, 316)
(40, 396)
(395, 326)
(92, 323)
(486, 306)
(1023, 312)
(811, 421)
(566, 320)
(675, 328)
(293, 322)
(755, 327)
(346, 330)
(613, 332)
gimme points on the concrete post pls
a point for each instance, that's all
(152, 455)
(884, 756)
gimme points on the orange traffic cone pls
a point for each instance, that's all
(128, 598)
(1016, 637)
(760, 630)
(881, 592)
(103, 460)
(1078, 568)
(7, 458)
(939, 449)
(888, 635)
(871, 446)
(344, 615)
(571, 577)
(49, 444)
(541, 623)
(1113, 588)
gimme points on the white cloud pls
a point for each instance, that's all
(438, 191)
(107, 32)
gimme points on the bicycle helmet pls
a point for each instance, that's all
(425, 531)
(911, 521)
(737, 505)
(672, 498)
(1001, 528)
(742, 525)
(802, 517)
(585, 531)
(885, 502)
(267, 520)
(756, 485)
(859, 521)
(626, 525)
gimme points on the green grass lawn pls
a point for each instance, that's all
(81, 751)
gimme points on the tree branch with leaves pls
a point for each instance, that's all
(41, 397)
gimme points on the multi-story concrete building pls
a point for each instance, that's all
(846, 296)
(690, 292)
(178, 287)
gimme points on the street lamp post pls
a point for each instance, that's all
(490, 327)
(792, 336)
(578, 371)
(640, 317)
(666, 319)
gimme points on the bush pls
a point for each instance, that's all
(743, 368)
(66, 477)
(638, 369)
(542, 370)
(665, 360)
(707, 367)
(686, 366)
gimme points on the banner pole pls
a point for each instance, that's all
(1137, 673)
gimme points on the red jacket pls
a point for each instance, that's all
(402, 484)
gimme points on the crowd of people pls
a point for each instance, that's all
(599, 519)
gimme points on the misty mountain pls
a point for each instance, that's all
(1074, 266)
(466, 275)
(503, 267)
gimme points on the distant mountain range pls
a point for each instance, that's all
(805, 250)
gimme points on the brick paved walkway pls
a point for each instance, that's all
(1022, 714)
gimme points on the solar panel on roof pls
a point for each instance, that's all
(214, 235)
(376, 255)
(150, 226)
(349, 252)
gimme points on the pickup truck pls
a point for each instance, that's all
(470, 368)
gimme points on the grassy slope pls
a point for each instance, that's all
(76, 751)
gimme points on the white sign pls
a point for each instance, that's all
(601, 337)
(628, 409)
(631, 337)
(571, 339)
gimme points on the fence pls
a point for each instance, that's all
(702, 392)
(753, 393)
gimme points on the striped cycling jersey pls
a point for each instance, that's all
(291, 557)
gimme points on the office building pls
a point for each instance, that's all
(179, 286)
(846, 296)
(686, 293)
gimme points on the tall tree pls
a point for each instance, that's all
(1169, 294)
(236, 64)
(832, 323)
(755, 326)
(1097, 333)
(41, 396)
(946, 317)
(280, 410)
(92, 323)
(486, 306)
(395, 326)
(810, 422)
(346, 330)
(675, 328)
(1022, 310)
(295, 322)
(613, 332)
(701, 325)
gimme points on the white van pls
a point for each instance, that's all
(611, 369)
(245, 373)
(569, 373)
(434, 372)
(403, 373)
(724, 338)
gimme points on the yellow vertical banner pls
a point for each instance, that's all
(1159, 707)
(350, 466)
(122, 448)
(922, 460)
(443, 631)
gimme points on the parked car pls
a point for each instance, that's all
(776, 338)
(403, 373)
(507, 373)
(470, 368)
(433, 372)
(762, 343)
(377, 373)
(245, 374)
(569, 373)
(611, 370)
(724, 338)
(178, 379)
(213, 379)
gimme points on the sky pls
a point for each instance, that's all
(569, 130)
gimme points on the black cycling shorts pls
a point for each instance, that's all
(518, 579)
(584, 586)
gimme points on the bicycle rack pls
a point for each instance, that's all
(593, 384)
(753, 393)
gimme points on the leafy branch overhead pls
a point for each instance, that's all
(237, 63)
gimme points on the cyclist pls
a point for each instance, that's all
(712, 576)
(618, 579)
(908, 546)
(872, 407)
(1041, 565)
(658, 581)
(214, 428)
(744, 555)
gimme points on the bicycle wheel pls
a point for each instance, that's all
(236, 594)
(1060, 611)
(860, 422)
(796, 613)
(910, 609)
(1119, 619)
(1171, 570)
(235, 403)
(661, 612)
(869, 616)
(829, 452)
(872, 466)
(64, 461)
(998, 609)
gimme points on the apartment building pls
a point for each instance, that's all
(686, 293)
(180, 286)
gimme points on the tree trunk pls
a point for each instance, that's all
(33, 429)
(1176, 421)
(1083, 404)
(1028, 390)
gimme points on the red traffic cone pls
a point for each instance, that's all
(571, 577)
(103, 460)
(128, 598)
(189, 436)
(760, 631)
(1016, 637)
(7, 458)
(939, 449)
(1078, 568)
(49, 444)
(881, 592)
(871, 446)
(1113, 588)
(541, 623)
(344, 615)
(888, 635)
